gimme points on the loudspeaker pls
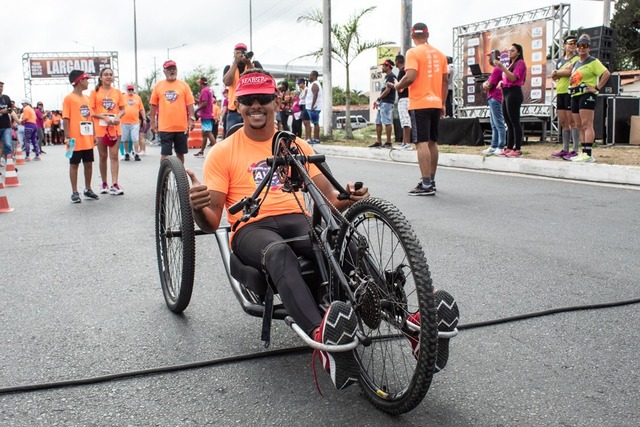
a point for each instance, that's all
(612, 87)
(619, 112)
(603, 44)
(600, 117)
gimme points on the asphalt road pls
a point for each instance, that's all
(80, 297)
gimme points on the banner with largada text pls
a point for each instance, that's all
(531, 36)
(54, 68)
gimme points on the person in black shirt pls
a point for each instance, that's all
(242, 60)
(385, 105)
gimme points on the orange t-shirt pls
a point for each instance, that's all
(431, 67)
(106, 102)
(216, 111)
(29, 114)
(172, 100)
(132, 107)
(237, 165)
(77, 109)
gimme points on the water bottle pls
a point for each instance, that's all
(69, 152)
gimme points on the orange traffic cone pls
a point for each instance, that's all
(10, 175)
(19, 155)
(4, 203)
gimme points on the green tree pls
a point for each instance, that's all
(147, 86)
(346, 45)
(626, 22)
(191, 78)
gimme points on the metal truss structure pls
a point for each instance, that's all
(559, 16)
(29, 81)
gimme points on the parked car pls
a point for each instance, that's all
(357, 122)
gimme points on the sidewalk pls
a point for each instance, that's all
(594, 172)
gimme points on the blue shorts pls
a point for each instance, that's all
(314, 116)
(385, 114)
(207, 125)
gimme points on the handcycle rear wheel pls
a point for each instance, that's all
(391, 377)
(175, 235)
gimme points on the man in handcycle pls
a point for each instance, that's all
(232, 170)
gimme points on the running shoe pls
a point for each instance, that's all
(75, 197)
(115, 190)
(126, 157)
(560, 154)
(570, 155)
(89, 194)
(199, 154)
(338, 326)
(447, 316)
(489, 151)
(504, 152)
(498, 152)
(136, 157)
(420, 190)
(38, 158)
(405, 146)
(583, 158)
(387, 145)
(514, 153)
(376, 145)
(104, 189)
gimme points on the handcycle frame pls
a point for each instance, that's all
(327, 229)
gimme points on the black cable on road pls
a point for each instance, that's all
(284, 351)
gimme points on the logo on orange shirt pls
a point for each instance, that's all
(259, 172)
(131, 102)
(108, 104)
(171, 96)
(85, 111)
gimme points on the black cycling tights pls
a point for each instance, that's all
(511, 102)
(281, 262)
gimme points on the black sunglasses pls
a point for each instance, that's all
(248, 100)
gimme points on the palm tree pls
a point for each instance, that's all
(345, 47)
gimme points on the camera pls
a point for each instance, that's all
(248, 55)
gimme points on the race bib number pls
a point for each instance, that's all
(86, 128)
(103, 123)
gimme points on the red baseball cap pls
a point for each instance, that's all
(255, 84)
(131, 87)
(168, 64)
(420, 28)
(389, 63)
(240, 46)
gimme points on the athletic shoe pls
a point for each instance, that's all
(504, 152)
(489, 151)
(38, 158)
(421, 191)
(433, 184)
(387, 145)
(514, 153)
(560, 154)
(404, 146)
(447, 316)
(104, 189)
(375, 145)
(89, 194)
(338, 326)
(498, 152)
(136, 157)
(199, 154)
(570, 155)
(27, 159)
(126, 157)
(75, 197)
(316, 141)
(583, 158)
(115, 190)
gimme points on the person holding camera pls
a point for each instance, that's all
(242, 61)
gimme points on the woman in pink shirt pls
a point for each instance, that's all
(513, 77)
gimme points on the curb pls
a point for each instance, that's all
(592, 172)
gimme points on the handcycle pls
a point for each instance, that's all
(367, 256)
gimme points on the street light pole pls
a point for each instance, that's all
(135, 44)
(175, 47)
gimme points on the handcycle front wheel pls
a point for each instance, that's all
(175, 235)
(392, 285)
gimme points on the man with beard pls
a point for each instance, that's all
(172, 115)
(232, 170)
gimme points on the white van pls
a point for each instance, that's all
(357, 122)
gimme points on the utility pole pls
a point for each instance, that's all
(135, 44)
(606, 12)
(406, 11)
(327, 89)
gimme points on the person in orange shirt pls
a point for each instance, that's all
(28, 119)
(133, 112)
(216, 118)
(107, 104)
(76, 116)
(427, 76)
(172, 114)
(47, 129)
(56, 137)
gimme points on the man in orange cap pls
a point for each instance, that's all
(233, 169)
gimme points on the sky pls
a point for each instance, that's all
(209, 29)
